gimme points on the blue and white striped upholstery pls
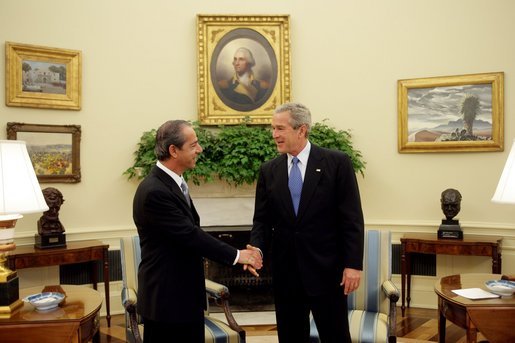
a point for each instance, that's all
(216, 331)
(370, 307)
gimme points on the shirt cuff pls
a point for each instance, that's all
(237, 257)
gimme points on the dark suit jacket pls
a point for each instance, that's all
(171, 284)
(327, 234)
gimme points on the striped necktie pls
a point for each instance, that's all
(185, 192)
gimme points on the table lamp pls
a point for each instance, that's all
(505, 192)
(19, 194)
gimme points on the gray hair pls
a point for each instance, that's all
(248, 56)
(169, 133)
(299, 114)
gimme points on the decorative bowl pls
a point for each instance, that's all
(503, 288)
(44, 301)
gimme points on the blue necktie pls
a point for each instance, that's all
(185, 191)
(295, 184)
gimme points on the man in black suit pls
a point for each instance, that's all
(316, 235)
(171, 292)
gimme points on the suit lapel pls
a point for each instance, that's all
(174, 188)
(281, 173)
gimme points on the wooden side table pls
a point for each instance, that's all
(492, 317)
(75, 252)
(77, 319)
(430, 244)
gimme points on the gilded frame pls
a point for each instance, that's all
(59, 142)
(431, 113)
(268, 39)
(42, 77)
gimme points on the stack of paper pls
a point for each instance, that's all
(475, 293)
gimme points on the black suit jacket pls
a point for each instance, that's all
(327, 234)
(171, 285)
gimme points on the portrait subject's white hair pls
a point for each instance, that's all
(248, 56)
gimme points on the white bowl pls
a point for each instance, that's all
(503, 288)
(44, 301)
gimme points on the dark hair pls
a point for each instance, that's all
(169, 133)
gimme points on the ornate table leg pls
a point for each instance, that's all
(106, 285)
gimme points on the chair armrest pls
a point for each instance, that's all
(221, 295)
(392, 292)
(129, 302)
(129, 294)
(216, 290)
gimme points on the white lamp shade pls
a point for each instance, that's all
(505, 192)
(20, 192)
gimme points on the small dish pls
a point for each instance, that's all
(44, 301)
(503, 288)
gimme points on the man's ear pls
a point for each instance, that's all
(303, 130)
(172, 150)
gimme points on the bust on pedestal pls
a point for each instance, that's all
(50, 230)
(451, 205)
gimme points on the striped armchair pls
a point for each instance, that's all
(372, 308)
(215, 330)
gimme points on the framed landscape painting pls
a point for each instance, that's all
(451, 114)
(42, 77)
(53, 149)
(243, 67)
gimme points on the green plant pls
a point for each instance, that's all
(235, 153)
(328, 137)
(144, 156)
(240, 151)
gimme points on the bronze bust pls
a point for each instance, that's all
(451, 206)
(49, 223)
(451, 203)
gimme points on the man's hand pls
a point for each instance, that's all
(251, 259)
(350, 280)
(251, 268)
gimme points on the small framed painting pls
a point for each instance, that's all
(451, 114)
(53, 149)
(42, 77)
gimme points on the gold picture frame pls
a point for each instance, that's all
(462, 113)
(53, 149)
(42, 77)
(221, 99)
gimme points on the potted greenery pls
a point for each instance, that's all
(234, 153)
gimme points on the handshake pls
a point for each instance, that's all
(251, 259)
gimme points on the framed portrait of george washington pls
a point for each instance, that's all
(243, 67)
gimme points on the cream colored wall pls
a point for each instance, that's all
(139, 69)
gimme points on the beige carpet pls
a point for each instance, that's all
(273, 339)
(261, 339)
(267, 318)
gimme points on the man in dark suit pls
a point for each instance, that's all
(308, 207)
(171, 292)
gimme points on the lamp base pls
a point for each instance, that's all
(450, 229)
(9, 295)
(54, 240)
